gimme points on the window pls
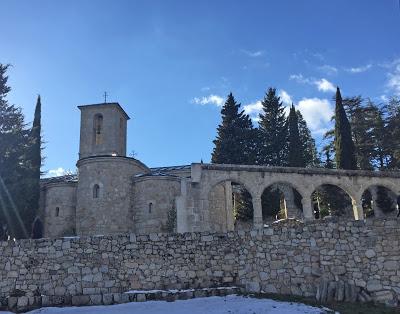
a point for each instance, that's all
(57, 211)
(150, 207)
(96, 191)
(98, 128)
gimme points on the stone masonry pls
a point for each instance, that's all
(352, 260)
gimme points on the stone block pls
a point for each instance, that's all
(108, 299)
(96, 299)
(253, 286)
(370, 253)
(80, 300)
(140, 297)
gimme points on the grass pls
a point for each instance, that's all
(341, 307)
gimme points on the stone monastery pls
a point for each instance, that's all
(113, 193)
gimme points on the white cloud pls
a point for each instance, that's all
(324, 85)
(317, 112)
(209, 100)
(328, 69)
(359, 69)
(299, 78)
(394, 78)
(254, 54)
(285, 97)
(57, 172)
(253, 109)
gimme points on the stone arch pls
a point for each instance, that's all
(291, 199)
(332, 199)
(230, 206)
(379, 200)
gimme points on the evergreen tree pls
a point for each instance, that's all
(295, 147)
(360, 119)
(236, 144)
(344, 146)
(34, 163)
(309, 150)
(384, 201)
(379, 138)
(273, 131)
(393, 133)
(13, 143)
(235, 140)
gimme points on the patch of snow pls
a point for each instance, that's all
(175, 290)
(212, 305)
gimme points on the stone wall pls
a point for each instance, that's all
(59, 209)
(153, 200)
(110, 212)
(289, 258)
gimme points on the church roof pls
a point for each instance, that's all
(171, 168)
(156, 171)
(107, 104)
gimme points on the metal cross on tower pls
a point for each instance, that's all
(105, 97)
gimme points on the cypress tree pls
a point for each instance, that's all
(344, 146)
(34, 160)
(295, 148)
(273, 131)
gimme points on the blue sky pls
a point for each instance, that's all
(170, 64)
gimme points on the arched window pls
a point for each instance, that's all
(98, 128)
(57, 211)
(150, 207)
(96, 191)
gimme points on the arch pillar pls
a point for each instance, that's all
(307, 208)
(230, 226)
(357, 208)
(257, 213)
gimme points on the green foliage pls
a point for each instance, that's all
(307, 142)
(236, 144)
(171, 220)
(273, 131)
(392, 133)
(384, 201)
(243, 210)
(235, 139)
(271, 202)
(17, 186)
(295, 147)
(332, 200)
(344, 146)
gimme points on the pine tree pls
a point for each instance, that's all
(393, 133)
(379, 138)
(295, 147)
(273, 131)
(309, 150)
(344, 146)
(234, 143)
(13, 143)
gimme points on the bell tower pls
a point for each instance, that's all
(103, 130)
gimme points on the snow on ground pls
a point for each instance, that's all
(231, 304)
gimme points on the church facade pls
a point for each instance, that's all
(113, 193)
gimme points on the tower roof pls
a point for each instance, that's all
(108, 104)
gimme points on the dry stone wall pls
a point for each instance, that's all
(328, 259)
